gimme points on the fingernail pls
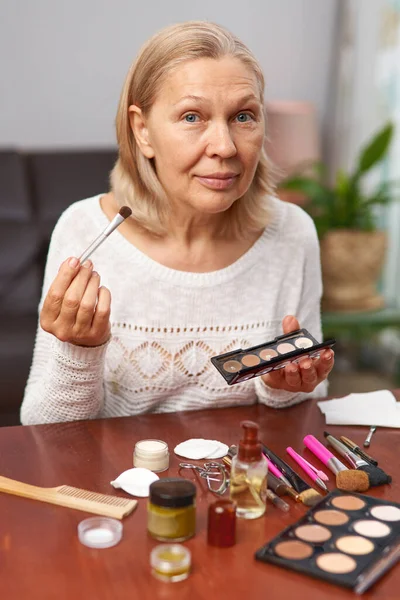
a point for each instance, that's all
(307, 365)
(73, 262)
(328, 355)
(87, 264)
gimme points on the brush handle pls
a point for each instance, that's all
(318, 449)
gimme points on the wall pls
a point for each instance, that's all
(62, 64)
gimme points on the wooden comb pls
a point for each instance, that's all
(71, 497)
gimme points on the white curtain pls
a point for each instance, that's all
(367, 95)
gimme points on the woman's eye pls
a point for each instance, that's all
(191, 118)
(244, 117)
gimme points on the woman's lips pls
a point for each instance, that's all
(216, 182)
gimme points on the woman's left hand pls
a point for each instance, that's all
(305, 375)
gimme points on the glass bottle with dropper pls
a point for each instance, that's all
(248, 478)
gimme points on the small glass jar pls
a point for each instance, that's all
(171, 510)
(221, 528)
(170, 562)
(152, 455)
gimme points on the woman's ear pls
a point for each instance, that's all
(140, 131)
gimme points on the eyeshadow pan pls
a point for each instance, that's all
(336, 562)
(372, 529)
(355, 544)
(386, 513)
(331, 517)
(285, 348)
(250, 360)
(348, 503)
(313, 533)
(232, 366)
(303, 342)
(268, 353)
(293, 550)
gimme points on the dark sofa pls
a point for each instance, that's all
(35, 189)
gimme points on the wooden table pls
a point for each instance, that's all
(42, 558)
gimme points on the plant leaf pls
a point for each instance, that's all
(376, 149)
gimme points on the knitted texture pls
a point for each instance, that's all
(167, 324)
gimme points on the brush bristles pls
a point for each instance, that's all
(125, 212)
(310, 497)
(352, 480)
(376, 475)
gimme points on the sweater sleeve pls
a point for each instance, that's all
(65, 381)
(308, 314)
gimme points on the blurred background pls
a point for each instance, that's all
(332, 72)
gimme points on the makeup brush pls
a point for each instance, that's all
(354, 448)
(349, 480)
(306, 494)
(119, 218)
(376, 475)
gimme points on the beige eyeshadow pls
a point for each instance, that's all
(372, 529)
(313, 533)
(355, 544)
(232, 366)
(386, 513)
(348, 503)
(293, 549)
(335, 562)
(285, 348)
(331, 517)
(268, 353)
(303, 342)
(250, 360)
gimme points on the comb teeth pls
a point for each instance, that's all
(67, 490)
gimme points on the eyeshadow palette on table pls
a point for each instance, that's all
(346, 539)
(239, 365)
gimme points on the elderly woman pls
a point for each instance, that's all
(209, 260)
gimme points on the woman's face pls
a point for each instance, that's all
(205, 132)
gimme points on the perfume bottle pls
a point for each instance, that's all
(248, 480)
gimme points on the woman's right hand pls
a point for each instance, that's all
(76, 309)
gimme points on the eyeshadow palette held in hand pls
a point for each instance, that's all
(239, 365)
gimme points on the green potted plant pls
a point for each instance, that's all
(352, 247)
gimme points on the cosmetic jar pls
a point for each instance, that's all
(170, 562)
(152, 455)
(171, 510)
(100, 532)
(221, 529)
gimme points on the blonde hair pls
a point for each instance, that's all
(134, 181)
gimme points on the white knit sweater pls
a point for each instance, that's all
(166, 324)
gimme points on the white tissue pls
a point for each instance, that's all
(135, 481)
(199, 448)
(372, 408)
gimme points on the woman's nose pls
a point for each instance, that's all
(220, 142)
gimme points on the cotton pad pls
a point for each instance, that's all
(199, 448)
(135, 481)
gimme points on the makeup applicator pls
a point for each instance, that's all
(305, 494)
(124, 213)
(376, 475)
(349, 480)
